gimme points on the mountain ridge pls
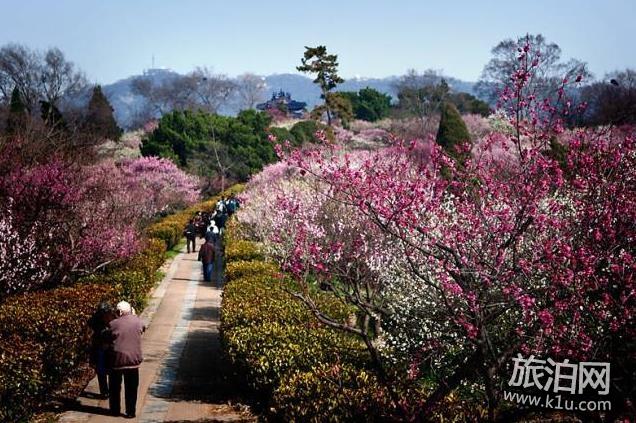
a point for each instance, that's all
(301, 88)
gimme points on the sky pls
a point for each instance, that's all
(113, 39)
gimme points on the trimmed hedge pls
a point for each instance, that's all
(242, 250)
(305, 370)
(44, 335)
(334, 391)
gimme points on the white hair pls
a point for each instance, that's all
(124, 307)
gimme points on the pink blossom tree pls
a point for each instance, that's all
(81, 218)
(512, 251)
(21, 266)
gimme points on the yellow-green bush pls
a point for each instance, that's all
(242, 250)
(284, 352)
(269, 333)
(169, 232)
(43, 337)
(331, 392)
(238, 269)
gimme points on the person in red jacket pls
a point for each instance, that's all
(207, 254)
(125, 357)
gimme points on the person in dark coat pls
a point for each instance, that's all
(98, 323)
(207, 254)
(125, 357)
(190, 233)
(212, 234)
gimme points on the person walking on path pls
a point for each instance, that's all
(207, 254)
(125, 357)
(212, 233)
(190, 233)
(99, 344)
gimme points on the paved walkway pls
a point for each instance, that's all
(183, 377)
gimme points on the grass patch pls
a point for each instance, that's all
(174, 251)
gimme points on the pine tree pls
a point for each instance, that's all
(17, 113)
(452, 132)
(325, 66)
(100, 120)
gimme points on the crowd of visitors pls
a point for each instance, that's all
(210, 225)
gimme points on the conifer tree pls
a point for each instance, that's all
(452, 130)
(325, 66)
(17, 113)
(100, 120)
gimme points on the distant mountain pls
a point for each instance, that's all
(301, 88)
(124, 102)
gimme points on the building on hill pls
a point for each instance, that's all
(282, 101)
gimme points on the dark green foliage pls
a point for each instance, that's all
(17, 105)
(283, 134)
(52, 116)
(425, 100)
(452, 130)
(17, 113)
(100, 120)
(305, 131)
(558, 152)
(421, 100)
(325, 66)
(369, 104)
(204, 142)
(43, 337)
(469, 104)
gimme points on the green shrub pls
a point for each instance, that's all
(238, 269)
(268, 333)
(331, 392)
(242, 250)
(452, 131)
(283, 134)
(169, 232)
(280, 346)
(43, 337)
(305, 130)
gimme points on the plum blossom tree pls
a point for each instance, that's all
(165, 188)
(73, 220)
(464, 266)
(20, 263)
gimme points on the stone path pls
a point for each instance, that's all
(183, 376)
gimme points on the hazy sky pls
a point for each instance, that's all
(112, 39)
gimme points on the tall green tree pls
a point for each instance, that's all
(325, 66)
(100, 120)
(17, 113)
(369, 104)
(452, 131)
(210, 145)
